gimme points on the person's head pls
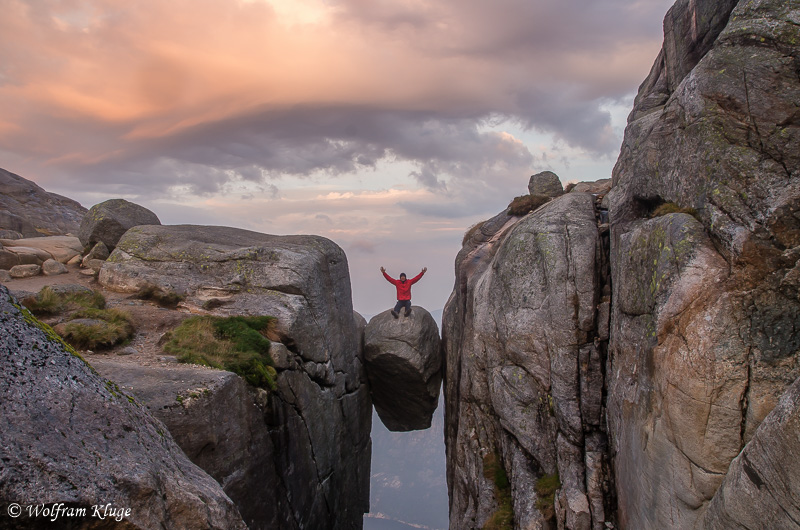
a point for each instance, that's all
(402, 276)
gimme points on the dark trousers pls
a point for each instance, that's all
(402, 303)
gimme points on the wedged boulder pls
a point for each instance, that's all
(404, 364)
(107, 221)
(72, 437)
(320, 416)
(60, 248)
(29, 210)
(545, 183)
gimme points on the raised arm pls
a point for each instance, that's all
(388, 278)
(416, 278)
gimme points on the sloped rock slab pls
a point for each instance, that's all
(69, 436)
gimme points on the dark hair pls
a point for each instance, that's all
(403, 274)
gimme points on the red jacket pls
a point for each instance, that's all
(403, 288)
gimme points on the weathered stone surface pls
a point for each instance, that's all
(107, 221)
(69, 288)
(10, 234)
(59, 248)
(51, 268)
(214, 418)
(5, 276)
(25, 271)
(8, 259)
(18, 255)
(94, 264)
(517, 330)
(761, 489)
(321, 411)
(29, 210)
(99, 251)
(70, 436)
(404, 365)
(704, 310)
(598, 187)
(545, 183)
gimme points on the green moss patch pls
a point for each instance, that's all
(237, 344)
(503, 517)
(525, 204)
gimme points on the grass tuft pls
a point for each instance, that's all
(164, 298)
(113, 327)
(237, 344)
(525, 204)
(671, 207)
(471, 232)
(546, 488)
(49, 302)
(503, 517)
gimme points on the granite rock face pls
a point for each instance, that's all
(70, 436)
(107, 221)
(524, 376)
(218, 421)
(404, 364)
(319, 417)
(28, 210)
(37, 250)
(761, 489)
(705, 304)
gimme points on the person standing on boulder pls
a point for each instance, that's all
(403, 290)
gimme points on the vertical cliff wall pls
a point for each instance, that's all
(656, 420)
(704, 335)
(524, 353)
(314, 467)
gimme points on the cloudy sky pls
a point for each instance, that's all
(388, 126)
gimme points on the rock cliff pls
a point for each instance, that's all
(639, 361)
(72, 437)
(26, 210)
(704, 335)
(524, 353)
(312, 435)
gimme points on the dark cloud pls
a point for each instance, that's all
(442, 69)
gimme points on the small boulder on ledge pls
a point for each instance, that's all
(108, 221)
(404, 365)
(545, 183)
